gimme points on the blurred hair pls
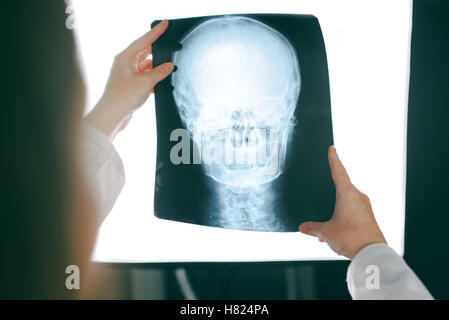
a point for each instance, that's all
(41, 115)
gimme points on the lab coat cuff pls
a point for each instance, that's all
(378, 272)
(104, 169)
(104, 144)
(356, 275)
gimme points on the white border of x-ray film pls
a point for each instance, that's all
(368, 47)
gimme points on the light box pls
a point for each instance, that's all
(368, 47)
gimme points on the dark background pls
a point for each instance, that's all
(305, 187)
(427, 194)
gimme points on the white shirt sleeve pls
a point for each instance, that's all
(103, 169)
(378, 272)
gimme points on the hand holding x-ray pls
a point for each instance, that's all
(130, 82)
(353, 225)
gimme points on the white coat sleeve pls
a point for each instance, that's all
(378, 272)
(103, 169)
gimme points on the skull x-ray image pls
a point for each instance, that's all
(244, 123)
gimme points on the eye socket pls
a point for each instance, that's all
(265, 113)
(270, 111)
(214, 113)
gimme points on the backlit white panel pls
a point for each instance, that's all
(367, 44)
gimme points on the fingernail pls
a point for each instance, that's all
(169, 66)
(165, 67)
(335, 150)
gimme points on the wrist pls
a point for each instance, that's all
(106, 117)
(363, 245)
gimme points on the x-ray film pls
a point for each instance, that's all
(244, 123)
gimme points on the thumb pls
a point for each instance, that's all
(312, 228)
(158, 74)
(338, 171)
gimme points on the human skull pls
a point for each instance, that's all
(236, 87)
